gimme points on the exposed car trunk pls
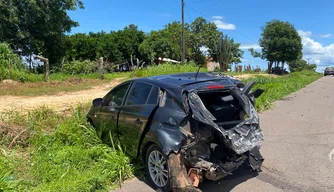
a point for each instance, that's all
(225, 133)
(224, 107)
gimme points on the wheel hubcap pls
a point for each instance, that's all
(157, 166)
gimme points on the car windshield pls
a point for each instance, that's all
(329, 69)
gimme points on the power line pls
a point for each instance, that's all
(189, 19)
(204, 15)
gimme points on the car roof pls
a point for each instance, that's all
(182, 80)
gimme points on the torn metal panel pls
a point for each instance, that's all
(241, 138)
(255, 159)
(200, 113)
(246, 135)
(170, 138)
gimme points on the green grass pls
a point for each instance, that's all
(61, 154)
(22, 76)
(30, 84)
(47, 151)
(280, 87)
(165, 69)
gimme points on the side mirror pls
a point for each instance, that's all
(97, 102)
(257, 93)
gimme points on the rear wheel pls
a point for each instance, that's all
(157, 168)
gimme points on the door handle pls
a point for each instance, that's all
(138, 121)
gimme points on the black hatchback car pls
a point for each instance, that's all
(185, 126)
(329, 71)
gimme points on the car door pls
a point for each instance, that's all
(108, 114)
(133, 117)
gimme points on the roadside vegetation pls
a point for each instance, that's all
(47, 151)
(281, 86)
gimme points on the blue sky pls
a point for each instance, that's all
(241, 20)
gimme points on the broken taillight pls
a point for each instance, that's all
(215, 87)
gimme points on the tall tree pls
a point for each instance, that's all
(280, 43)
(159, 44)
(226, 52)
(37, 26)
(128, 41)
(203, 34)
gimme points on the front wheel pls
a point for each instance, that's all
(157, 168)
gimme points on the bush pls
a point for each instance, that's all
(300, 65)
(280, 87)
(9, 60)
(167, 68)
(78, 67)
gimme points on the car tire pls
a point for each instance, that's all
(156, 163)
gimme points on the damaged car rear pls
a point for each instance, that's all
(185, 126)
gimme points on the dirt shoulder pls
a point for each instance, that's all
(60, 102)
(65, 100)
(247, 76)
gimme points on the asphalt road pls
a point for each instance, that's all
(298, 147)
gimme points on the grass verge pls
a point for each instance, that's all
(280, 87)
(60, 154)
(59, 82)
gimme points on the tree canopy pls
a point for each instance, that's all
(40, 27)
(121, 46)
(280, 43)
(37, 26)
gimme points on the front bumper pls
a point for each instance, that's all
(329, 73)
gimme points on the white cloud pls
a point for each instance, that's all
(217, 17)
(245, 60)
(248, 46)
(204, 50)
(304, 33)
(326, 35)
(317, 53)
(218, 20)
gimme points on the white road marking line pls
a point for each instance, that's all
(331, 155)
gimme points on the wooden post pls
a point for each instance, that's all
(8, 75)
(101, 67)
(46, 64)
(131, 63)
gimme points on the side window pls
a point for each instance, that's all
(153, 99)
(139, 94)
(116, 96)
(173, 104)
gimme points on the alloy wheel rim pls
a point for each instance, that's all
(157, 166)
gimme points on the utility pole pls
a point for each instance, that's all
(182, 49)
